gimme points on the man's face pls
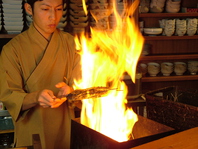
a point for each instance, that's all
(46, 16)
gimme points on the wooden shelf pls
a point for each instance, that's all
(4, 113)
(7, 35)
(161, 15)
(170, 78)
(186, 37)
(169, 48)
(6, 131)
(165, 78)
(169, 57)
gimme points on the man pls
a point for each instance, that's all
(33, 66)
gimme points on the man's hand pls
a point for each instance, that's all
(46, 98)
(64, 89)
(58, 102)
(61, 97)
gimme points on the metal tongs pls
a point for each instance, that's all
(92, 92)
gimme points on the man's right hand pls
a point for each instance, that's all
(46, 98)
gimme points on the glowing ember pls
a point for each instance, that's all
(105, 57)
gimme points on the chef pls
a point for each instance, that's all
(37, 69)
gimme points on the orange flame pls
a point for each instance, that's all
(84, 6)
(106, 56)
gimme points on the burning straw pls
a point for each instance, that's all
(106, 56)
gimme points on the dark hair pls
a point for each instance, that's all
(31, 2)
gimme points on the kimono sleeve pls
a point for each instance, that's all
(11, 86)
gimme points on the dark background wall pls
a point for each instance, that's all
(3, 41)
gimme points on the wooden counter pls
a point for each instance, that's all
(182, 140)
(6, 131)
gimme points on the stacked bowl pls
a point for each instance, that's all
(179, 68)
(63, 21)
(173, 6)
(121, 9)
(144, 6)
(99, 10)
(12, 12)
(191, 26)
(169, 27)
(78, 17)
(180, 27)
(157, 6)
(193, 67)
(28, 19)
(166, 68)
(153, 68)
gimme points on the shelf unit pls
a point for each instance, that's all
(169, 57)
(147, 38)
(170, 78)
(6, 135)
(169, 48)
(165, 78)
(6, 131)
(182, 57)
(7, 35)
(164, 48)
(170, 15)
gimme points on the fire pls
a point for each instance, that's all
(106, 56)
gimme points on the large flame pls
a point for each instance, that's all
(106, 56)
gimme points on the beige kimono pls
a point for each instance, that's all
(30, 63)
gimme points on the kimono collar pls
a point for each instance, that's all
(33, 32)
